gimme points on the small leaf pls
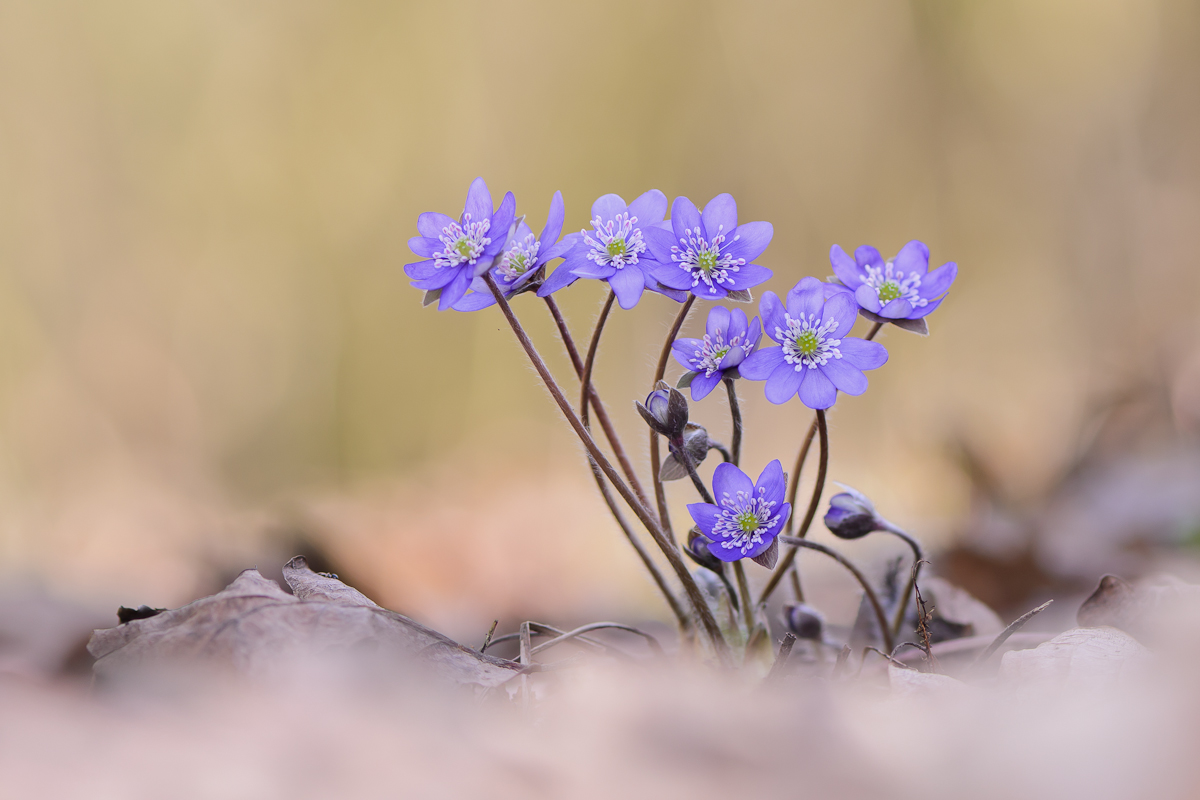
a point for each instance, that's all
(917, 326)
(671, 469)
(431, 297)
(740, 296)
(768, 557)
(685, 380)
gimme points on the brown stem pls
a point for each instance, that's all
(610, 433)
(670, 550)
(795, 484)
(735, 417)
(660, 497)
(823, 465)
(585, 378)
(744, 591)
(880, 617)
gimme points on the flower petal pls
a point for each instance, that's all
(479, 203)
(650, 208)
(628, 284)
(749, 275)
(896, 309)
(501, 220)
(659, 242)
(737, 324)
(773, 315)
(866, 298)
(842, 309)
(867, 256)
(474, 301)
(845, 376)
(844, 267)
(753, 335)
(554, 225)
(729, 480)
(705, 516)
(772, 482)
(431, 224)
(913, 257)
(590, 269)
(684, 219)
(608, 206)
(422, 270)
(806, 299)
(670, 275)
(703, 384)
(783, 382)
(937, 281)
(817, 391)
(926, 310)
(561, 278)
(684, 351)
(749, 241)
(717, 322)
(863, 354)
(455, 289)
(759, 365)
(720, 216)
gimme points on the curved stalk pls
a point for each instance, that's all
(788, 557)
(918, 560)
(585, 378)
(880, 617)
(670, 549)
(735, 417)
(660, 497)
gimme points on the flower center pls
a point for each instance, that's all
(806, 343)
(617, 242)
(519, 258)
(462, 243)
(742, 520)
(891, 284)
(712, 350)
(704, 260)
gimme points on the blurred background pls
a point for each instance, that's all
(210, 357)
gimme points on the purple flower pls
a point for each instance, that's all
(747, 516)
(902, 288)
(707, 253)
(614, 250)
(457, 252)
(521, 260)
(726, 343)
(816, 359)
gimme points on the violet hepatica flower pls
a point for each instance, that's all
(615, 249)
(521, 260)
(816, 359)
(706, 252)
(728, 339)
(902, 288)
(747, 516)
(457, 252)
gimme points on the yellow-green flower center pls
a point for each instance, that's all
(463, 246)
(807, 342)
(616, 248)
(747, 521)
(707, 260)
(889, 291)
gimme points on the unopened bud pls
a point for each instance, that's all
(851, 515)
(665, 411)
(804, 621)
(695, 443)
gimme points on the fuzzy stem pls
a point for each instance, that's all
(880, 616)
(735, 416)
(602, 417)
(823, 465)
(660, 497)
(679, 450)
(744, 591)
(670, 550)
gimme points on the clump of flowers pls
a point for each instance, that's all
(489, 256)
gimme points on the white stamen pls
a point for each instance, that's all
(703, 259)
(754, 512)
(519, 258)
(617, 241)
(470, 237)
(804, 333)
(905, 286)
(712, 350)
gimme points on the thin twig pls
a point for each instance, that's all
(488, 639)
(660, 497)
(568, 636)
(872, 597)
(785, 650)
(699, 606)
(918, 559)
(923, 617)
(785, 562)
(885, 655)
(1016, 625)
(735, 417)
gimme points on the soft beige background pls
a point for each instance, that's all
(206, 336)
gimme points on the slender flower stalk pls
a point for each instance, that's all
(872, 598)
(786, 562)
(918, 560)
(660, 496)
(735, 416)
(744, 591)
(670, 550)
(610, 432)
(586, 377)
(569, 343)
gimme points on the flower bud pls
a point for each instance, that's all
(804, 621)
(697, 550)
(851, 515)
(665, 411)
(695, 443)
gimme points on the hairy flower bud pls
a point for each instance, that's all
(804, 621)
(665, 411)
(851, 515)
(696, 444)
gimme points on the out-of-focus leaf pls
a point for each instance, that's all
(1093, 657)
(253, 626)
(1147, 610)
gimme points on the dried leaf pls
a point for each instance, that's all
(1149, 610)
(1097, 657)
(911, 683)
(253, 626)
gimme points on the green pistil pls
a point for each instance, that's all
(747, 521)
(719, 354)
(518, 265)
(616, 248)
(889, 291)
(463, 246)
(807, 343)
(707, 260)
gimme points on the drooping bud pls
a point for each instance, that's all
(804, 621)
(695, 443)
(665, 411)
(697, 550)
(851, 515)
